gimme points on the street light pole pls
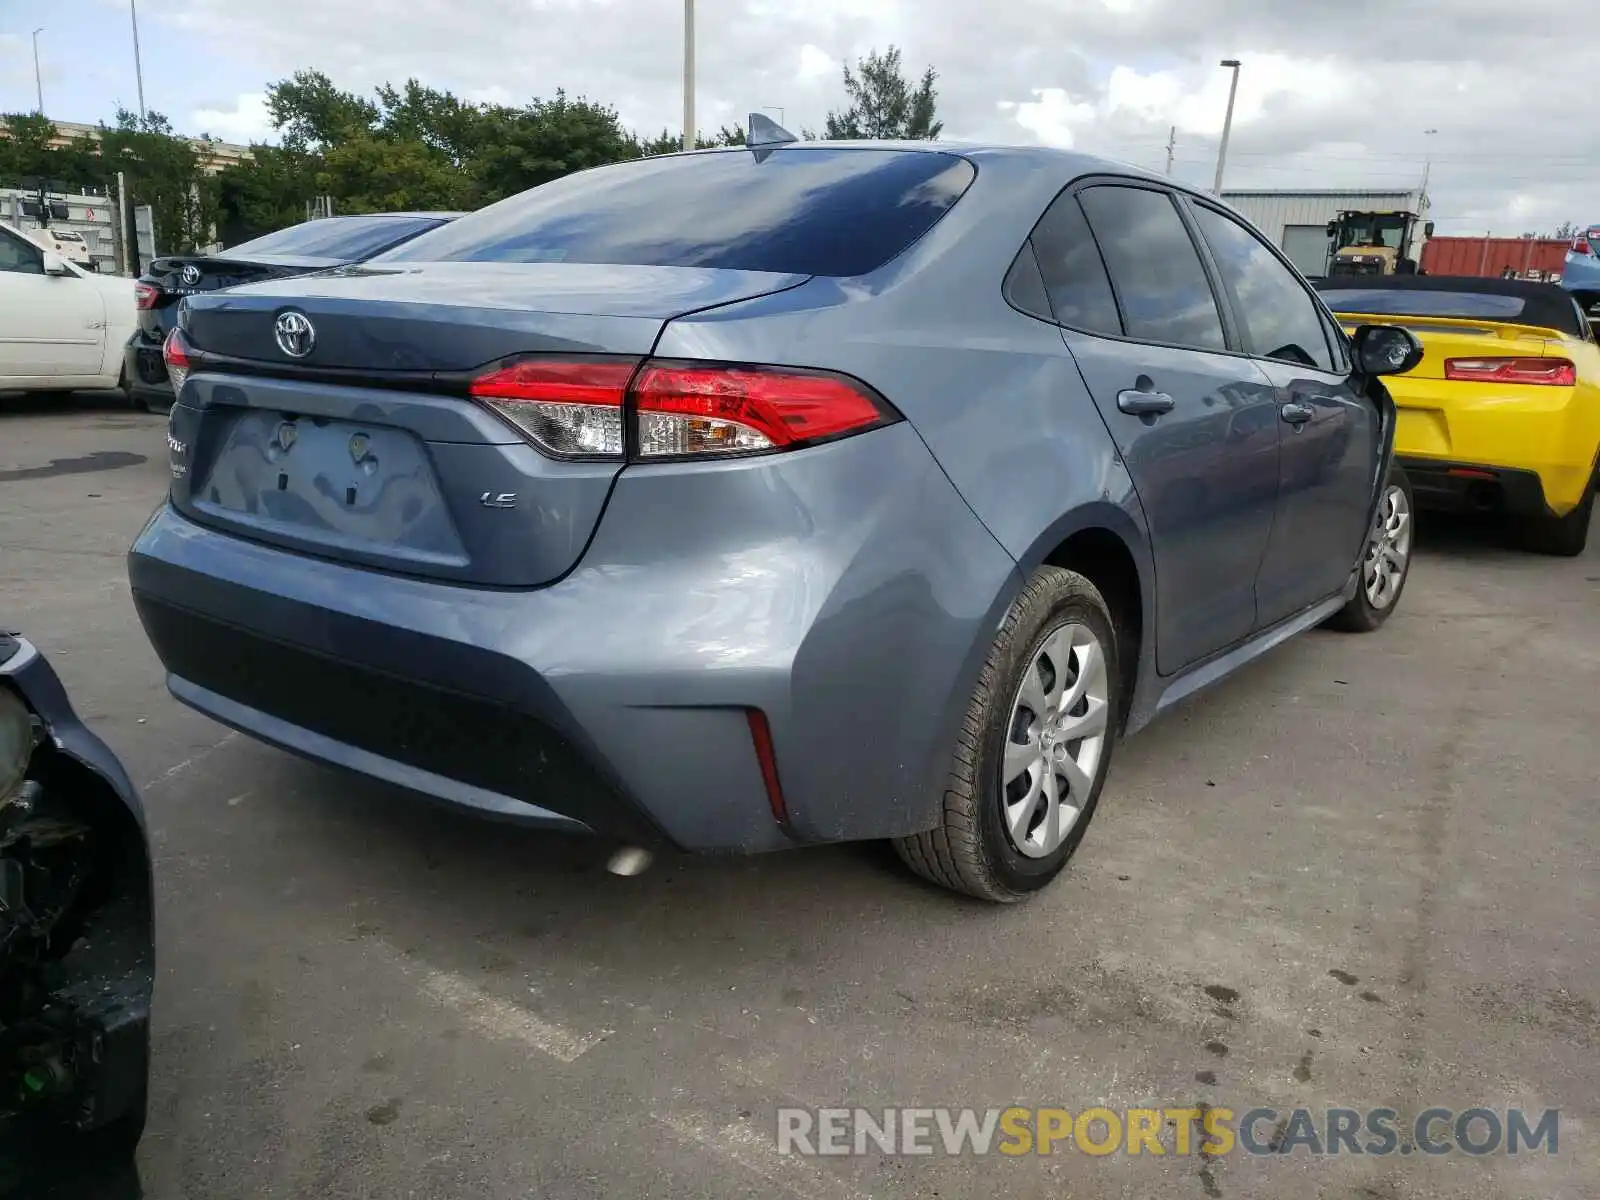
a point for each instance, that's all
(1227, 122)
(1427, 159)
(688, 75)
(138, 67)
(38, 80)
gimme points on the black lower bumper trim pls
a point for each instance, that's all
(485, 743)
(1473, 487)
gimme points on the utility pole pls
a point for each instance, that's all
(1227, 122)
(1172, 142)
(688, 75)
(138, 67)
(38, 80)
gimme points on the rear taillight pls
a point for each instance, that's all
(176, 355)
(145, 295)
(576, 408)
(1580, 245)
(698, 409)
(570, 408)
(1551, 372)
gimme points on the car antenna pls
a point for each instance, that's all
(766, 135)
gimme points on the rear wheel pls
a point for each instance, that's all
(1564, 537)
(1386, 563)
(1034, 748)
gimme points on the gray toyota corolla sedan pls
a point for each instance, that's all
(745, 499)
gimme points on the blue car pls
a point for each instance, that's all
(77, 949)
(748, 499)
(1580, 274)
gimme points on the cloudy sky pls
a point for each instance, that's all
(1334, 93)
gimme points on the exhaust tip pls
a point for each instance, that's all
(629, 860)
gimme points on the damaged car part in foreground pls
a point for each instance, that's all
(76, 935)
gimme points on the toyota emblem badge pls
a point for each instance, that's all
(296, 336)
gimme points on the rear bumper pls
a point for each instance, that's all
(847, 594)
(1541, 440)
(1470, 487)
(146, 373)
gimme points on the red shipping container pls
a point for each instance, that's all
(1491, 256)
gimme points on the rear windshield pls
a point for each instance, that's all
(348, 239)
(804, 211)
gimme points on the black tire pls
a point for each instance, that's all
(1564, 537)
(970, 849)
(1363, 614)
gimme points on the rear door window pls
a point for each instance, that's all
(796, 210)
(1162, 288)
(1279, 317)
(1075, 276)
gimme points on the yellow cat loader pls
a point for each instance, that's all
(1376, 243)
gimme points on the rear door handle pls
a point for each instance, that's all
(1296, 413)
(1145, 404)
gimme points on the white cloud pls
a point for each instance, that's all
(246, 121)
(1507, 86)
(1050, 116)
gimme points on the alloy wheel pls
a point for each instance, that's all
(1055, 739)
(1389, 549)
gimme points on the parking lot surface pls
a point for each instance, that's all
(1361, 874)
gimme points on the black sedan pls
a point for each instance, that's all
(298, 250)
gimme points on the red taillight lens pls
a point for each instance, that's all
(581, 408)
(570, 408)
(1551, 372)
(176, 353)
(145, 295)
(1580, 246)
(695, 409)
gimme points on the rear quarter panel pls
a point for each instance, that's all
(993, 394)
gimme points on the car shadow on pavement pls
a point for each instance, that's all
(42, 404)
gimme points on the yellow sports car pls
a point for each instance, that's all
(1503, 413)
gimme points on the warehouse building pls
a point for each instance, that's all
(1298, 221)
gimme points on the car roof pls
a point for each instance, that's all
(1546, 305)
(443, 216)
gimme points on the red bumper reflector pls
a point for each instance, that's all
(761, 736)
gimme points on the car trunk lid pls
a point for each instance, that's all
(365, 448)
(177, 276)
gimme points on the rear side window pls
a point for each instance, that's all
(1074, 275)
(1155, 268)
(348, 239)
(794, 210)
(1280, 318)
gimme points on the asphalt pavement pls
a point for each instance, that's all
(1361, 874)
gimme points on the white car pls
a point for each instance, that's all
(68, 243)
(61, 327)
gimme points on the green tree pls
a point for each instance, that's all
(667, 142)
(367, 174)
(312, 113)
(166, 172)
(882, 104)
(436, 119)
(546, 140)
(266, 192)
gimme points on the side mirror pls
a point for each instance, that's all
(1427, 230)
(54, 264)
(1386, 349)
